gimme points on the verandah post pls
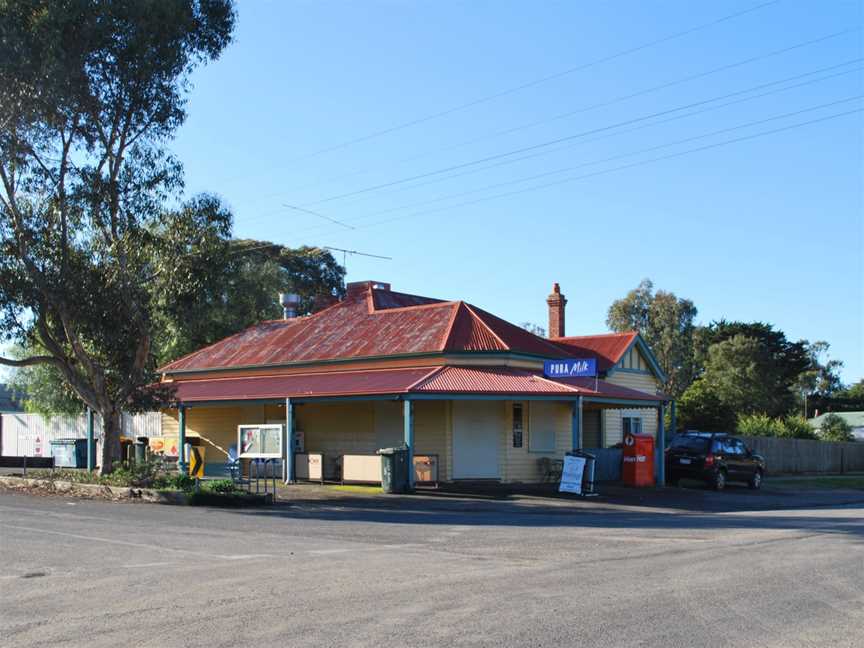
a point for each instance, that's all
(181, 441)
(288, 444)
(660, 450)
(576, 430)
(408, 424)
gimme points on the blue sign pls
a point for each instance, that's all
(571, 368)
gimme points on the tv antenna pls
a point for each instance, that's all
(345, 254)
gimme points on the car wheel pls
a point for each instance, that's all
(756, 480)
(719, 481)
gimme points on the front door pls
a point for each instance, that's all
(477, 426)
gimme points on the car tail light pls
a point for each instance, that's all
(709, 460)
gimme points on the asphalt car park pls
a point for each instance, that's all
(679, 568)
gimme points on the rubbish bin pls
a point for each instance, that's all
(141, 445)
(394, 469)
(69, 453)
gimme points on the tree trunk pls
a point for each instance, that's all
(110, 441)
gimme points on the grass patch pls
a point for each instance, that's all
(855, 482)
(357, 488)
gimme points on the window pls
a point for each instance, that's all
(518, 425)
(541, 427)
(632, 425)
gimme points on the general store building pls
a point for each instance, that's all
(451, 380)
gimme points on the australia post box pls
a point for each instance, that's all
(638, 468)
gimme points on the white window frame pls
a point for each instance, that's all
(637, 419)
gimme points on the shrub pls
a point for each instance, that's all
(759, 425)
(834, 428)
(797, 427)
(223, 486)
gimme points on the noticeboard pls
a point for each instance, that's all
(259, 441)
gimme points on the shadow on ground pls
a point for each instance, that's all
(616, 508)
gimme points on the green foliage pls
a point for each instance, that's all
(700, 408)
(786, 360)
(235, 285)
(853, 392)
(791, 427)
(665, 321)
(760, 425)
(42, 389)
(91, 92)
(223, 486)
(797, 427)
(149, 474)
(834, 428)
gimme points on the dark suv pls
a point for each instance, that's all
(714, 458)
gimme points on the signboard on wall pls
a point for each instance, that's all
(259, 441)
(570, 368)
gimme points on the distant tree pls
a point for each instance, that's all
(223, 287)
(90, 92)
(854, 391)
(536, 329)
(236, 289)
(824, 369)
(790, 359)
(834, 428)
(666, 322)
(741, 376)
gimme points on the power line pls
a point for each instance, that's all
(571, 113)
(627, 166)
(623, 167)
(630, 130)
(657, 122)
(617, 133)
(314, 213)
(615, 157)
(536, 82)
(542, 144)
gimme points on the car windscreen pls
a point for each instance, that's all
(691, 443)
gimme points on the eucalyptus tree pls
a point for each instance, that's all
(91, 92)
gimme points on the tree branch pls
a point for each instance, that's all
(27, 362)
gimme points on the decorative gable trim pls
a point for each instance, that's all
(647, 354)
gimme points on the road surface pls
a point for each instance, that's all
(97, 573)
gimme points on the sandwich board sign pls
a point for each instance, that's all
(571, 475)
(570, 368)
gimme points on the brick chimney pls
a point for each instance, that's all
(556, 302)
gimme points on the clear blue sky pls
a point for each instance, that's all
(765, 229)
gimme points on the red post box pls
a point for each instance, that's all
(638, 468)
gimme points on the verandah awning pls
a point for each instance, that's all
(423, 382)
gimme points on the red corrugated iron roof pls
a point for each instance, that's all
(607, 348)
(503, 381)
(490, 380)
(344, 383)
(374, 322)
(509, 380)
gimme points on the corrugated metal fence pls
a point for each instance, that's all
(30, 435)
(807, 456)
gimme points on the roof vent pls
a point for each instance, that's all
(289, 302)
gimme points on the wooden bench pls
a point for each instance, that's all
(27, 462)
